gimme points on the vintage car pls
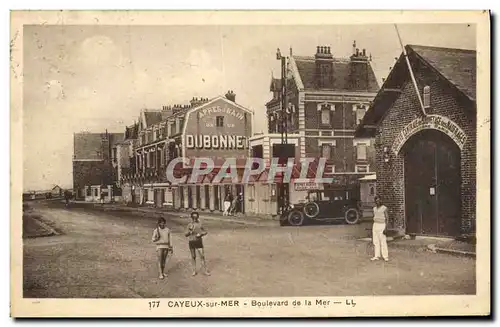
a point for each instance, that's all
(323, 206)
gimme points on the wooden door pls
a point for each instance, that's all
(432, 184)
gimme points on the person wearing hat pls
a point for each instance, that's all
(195, 233)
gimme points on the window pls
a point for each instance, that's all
(95, 192)
(326, 151)
(372, 190)
(89, 191)
(325, 115)
(360, 113)
(361, 151)
(157, 134)
(362, 169)
(427, 96)
(219, 121)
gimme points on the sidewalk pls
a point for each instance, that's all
(33, 226)
(242, 219)
(432, 244)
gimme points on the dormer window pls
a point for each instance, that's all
(360, 113)
(427, 96)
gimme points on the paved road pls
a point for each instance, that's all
(110, 255)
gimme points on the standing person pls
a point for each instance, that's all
(195, 232)
(66, 197)
(232, 211)
(227, 204)
(380, 218)
(161, 237)
(239, 204)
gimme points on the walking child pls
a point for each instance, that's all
(161, 237)
(380, 218)
(195, 232)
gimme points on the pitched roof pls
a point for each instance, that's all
(87, 145)
(275, 84)
(152, 117)
(458, 66)
(347, 75)
(90, 145)
(132, 132)
(455, 66)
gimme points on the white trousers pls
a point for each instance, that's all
(380, 240)
(227, 204)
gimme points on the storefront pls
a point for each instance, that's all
(426, 157)
(218, 130)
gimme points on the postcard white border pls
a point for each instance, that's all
(365, 306)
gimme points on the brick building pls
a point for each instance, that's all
(327, 97)
(197, 130)
(426, 161)
(143, 179)
(93, 173)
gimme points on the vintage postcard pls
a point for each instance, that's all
(250, 164)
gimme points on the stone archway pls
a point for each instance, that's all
(432, 184)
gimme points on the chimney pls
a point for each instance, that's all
(323, 75)
(231, 96)
(359, 56)
(323, 52)
(359, 69)
(196, 102)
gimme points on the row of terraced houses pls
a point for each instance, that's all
(335, 108)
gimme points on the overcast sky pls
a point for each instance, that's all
(84, 78)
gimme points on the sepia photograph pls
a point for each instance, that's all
(250, 164)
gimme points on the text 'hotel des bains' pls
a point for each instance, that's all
(426, 152)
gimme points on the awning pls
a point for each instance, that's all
(369, 178)
(218, 162)
(200, 180)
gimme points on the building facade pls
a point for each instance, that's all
(326, 99)
(93, 174)
(217, 129)
(426, 158)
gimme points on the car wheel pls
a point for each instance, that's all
(351, 216)
(296, 218)
(311, 209)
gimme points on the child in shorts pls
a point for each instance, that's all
(161, 237)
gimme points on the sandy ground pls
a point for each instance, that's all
(110, 255)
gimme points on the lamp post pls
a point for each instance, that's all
(283, 191)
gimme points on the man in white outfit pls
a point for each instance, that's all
(380, 218)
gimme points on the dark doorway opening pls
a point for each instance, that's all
(432, 184)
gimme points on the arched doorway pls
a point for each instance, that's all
(432, 184)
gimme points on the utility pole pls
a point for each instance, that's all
(282, 188)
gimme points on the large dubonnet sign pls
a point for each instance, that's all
(223, 142)
(436, 122)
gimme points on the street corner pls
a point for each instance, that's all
(34, 226)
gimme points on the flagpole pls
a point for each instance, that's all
(411, 71)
